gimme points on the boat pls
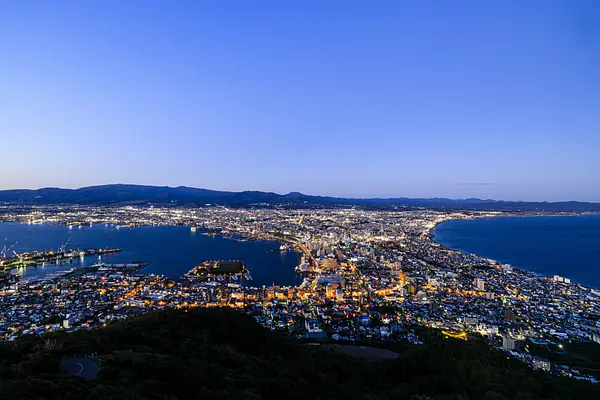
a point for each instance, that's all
(302, 268)
(99, 263)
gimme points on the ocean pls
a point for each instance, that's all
(170, 250)
(568, 246)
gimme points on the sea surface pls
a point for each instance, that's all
(568, 246)
(170, 250)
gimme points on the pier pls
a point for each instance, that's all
(128, 268)
(37, 258)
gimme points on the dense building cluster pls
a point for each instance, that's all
(368, 275)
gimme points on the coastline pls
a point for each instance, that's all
(431, 236)
(268, 244)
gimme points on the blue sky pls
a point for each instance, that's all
(491, 99)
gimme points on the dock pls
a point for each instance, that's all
(37, 258)
(102, 268)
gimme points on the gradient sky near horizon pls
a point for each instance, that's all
(490, 99)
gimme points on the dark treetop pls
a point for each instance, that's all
(221, 354)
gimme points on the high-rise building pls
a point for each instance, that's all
(541, 363)
(509, 316)
(508, 343)
(330, 290)
(479, 284)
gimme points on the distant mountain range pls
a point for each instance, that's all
(182, 195)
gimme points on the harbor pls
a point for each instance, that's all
(101, 267)
(170, 250)
(36, 258)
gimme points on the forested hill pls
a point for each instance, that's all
(164, 195)
(220, 354)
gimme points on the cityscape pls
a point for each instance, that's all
(367, 276)
(300, 200)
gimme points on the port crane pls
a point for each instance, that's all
(63, 248)
(7, 249)
(19, 256)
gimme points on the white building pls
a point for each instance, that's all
(540, 363)
(508, 343)
(479, 284)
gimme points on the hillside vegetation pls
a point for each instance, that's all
(221, 354)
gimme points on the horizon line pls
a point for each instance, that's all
(303, 194)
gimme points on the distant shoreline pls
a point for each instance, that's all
(432, 237)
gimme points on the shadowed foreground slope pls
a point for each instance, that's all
(219, 353)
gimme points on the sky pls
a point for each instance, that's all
(489, 99)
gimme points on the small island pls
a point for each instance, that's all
(218, 268)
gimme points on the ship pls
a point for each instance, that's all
(99, 264)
